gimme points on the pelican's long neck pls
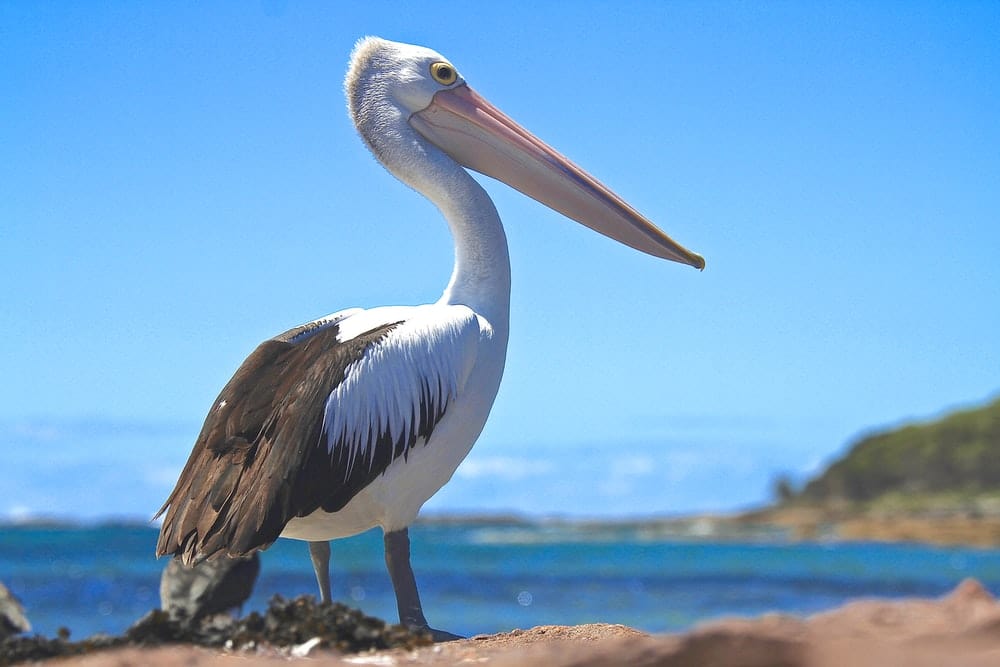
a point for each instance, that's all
(481, 276)
(376, 85)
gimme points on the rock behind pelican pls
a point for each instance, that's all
(211, 587)
(12, 618)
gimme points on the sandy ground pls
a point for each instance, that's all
(961, 629)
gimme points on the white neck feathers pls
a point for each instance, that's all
(481, 277)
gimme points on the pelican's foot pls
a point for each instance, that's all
(437, 635)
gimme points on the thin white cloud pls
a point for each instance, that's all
(503, 467)
(18, 513)
(162, 476)
(624, 473)
(47, 430)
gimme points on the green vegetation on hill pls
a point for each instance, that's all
(957, 454)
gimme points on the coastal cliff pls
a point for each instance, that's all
(936, 481)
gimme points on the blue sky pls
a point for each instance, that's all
(179, 182)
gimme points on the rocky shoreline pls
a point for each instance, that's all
(961, 628)
(812, 523)
(834, 523)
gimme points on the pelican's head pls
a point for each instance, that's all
(394, 88)
(387, 82)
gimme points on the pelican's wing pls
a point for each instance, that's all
(311, 418)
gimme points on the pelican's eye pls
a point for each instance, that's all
(444, 73)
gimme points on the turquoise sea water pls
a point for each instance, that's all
(478, 578)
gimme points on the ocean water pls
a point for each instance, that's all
(482, 578)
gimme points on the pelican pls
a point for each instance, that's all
(356, 419)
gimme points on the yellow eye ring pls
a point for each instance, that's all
(444, 73)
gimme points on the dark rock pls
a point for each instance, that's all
(286, 624)
(34, 648)
(211, 587)
(12, 618)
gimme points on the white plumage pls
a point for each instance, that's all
(436, 346)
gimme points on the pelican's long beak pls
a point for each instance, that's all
(483, 138)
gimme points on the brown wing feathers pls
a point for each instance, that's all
(258, 461)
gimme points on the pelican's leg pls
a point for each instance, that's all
(319, 552)
(397, 560)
